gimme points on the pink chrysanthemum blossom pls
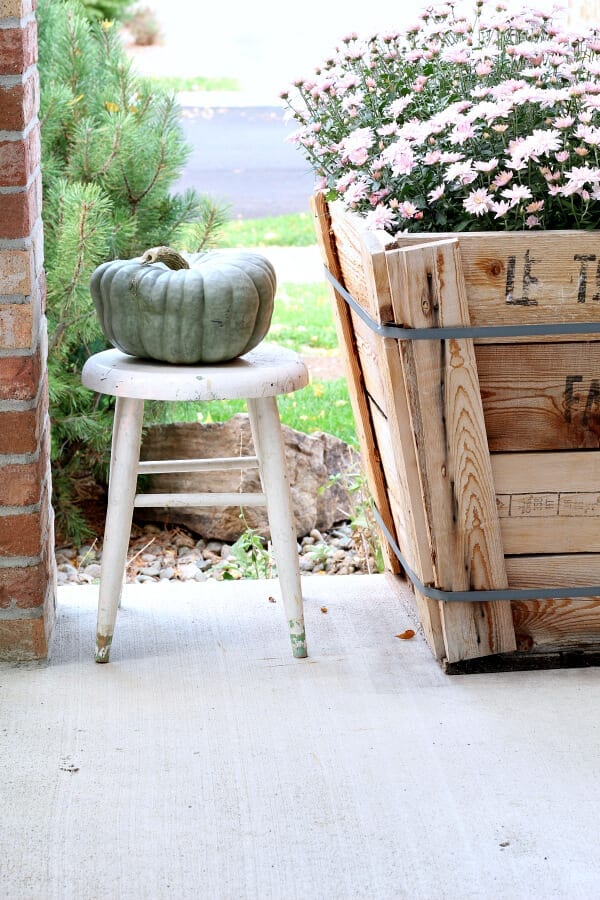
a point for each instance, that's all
(355, 147)
(408, 210)
(400, 157)
(486, 165)
(436, 193)
(516, 193)
(462, 172)
(380, 218)
(478, 202)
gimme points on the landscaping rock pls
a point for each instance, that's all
(311, 460)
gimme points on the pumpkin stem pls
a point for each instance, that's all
(166, 255)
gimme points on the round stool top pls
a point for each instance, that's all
(266, 371)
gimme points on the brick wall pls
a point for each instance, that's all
(27, 581)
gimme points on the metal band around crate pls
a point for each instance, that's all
(486, 595)
(397, 332)
(425, 334)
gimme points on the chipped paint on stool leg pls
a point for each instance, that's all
(298, 638)
(103, 642)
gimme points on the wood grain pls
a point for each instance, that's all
(540, 396)
(356, 389)
(452, 453)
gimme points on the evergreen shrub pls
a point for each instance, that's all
(112, 148)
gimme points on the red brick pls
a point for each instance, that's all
(16, 9)
(21, 535)
(16, 270)
(19, 104)
(19, 159)
(16, 326)
(18, 49)
(22, 639)
(20, 484)
(25, 534)
(23, 586)
(19, 211)
(21, 431)
(20, 377)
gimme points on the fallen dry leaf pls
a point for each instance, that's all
(406, 635)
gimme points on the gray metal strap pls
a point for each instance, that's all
(486, 596)
(468, 331)
(428, 334)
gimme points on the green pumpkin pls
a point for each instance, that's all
(198, 308)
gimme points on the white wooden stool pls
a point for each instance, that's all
(258, 377)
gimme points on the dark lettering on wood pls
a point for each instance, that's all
(571, 399)
(528, 280)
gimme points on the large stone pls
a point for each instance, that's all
(312, 460)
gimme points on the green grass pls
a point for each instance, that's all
(278, 231)
(302, 319)
(176, 83)
(321, 406)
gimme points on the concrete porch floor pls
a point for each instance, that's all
(205, 762)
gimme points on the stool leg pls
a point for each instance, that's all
(269, 446)
(127, 432)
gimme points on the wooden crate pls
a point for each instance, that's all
(482, 453)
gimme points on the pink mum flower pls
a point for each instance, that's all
(355, 147)
(380, 218)
(408, 210)
(436, 193)
(517, 193)
(478, 202)
(502, 179)
(486, 166)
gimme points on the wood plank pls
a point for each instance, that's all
(550, 535)
(400, 434)
(406, 509)
(560, 570)
(370, 347)
(568, 471)
(511, 277)
(452, 453)
(556, 624)
(519, 277)
(354, 378)
(361, 260)
(540, 396)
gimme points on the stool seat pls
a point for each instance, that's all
(266, 371)
(258, 377)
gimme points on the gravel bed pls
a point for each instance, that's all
(156, 554)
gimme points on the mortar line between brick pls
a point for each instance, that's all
(19, 562)
(6, 511)
(36, 612)
(8, 81)
(18, 459)
(9, 22)
(18, 135)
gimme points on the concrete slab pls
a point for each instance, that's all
(206, 762)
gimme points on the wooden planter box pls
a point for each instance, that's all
(482, 453)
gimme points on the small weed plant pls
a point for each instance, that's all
(250, 557)
(360, 516)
